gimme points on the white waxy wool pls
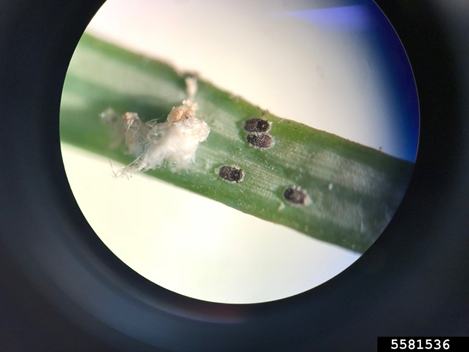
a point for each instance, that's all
(173, 142)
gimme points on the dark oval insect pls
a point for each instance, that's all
(296, 195)
(261, 141)
(257, 125)
(231, 174)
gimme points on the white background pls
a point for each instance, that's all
(324, 76)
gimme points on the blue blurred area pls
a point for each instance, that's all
(365, 18)
(355, 17)
(399, 77)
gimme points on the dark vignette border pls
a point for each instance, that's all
(61, 289)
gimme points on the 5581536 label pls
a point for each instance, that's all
(442, 344)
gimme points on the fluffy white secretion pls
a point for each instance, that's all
(173, 142)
